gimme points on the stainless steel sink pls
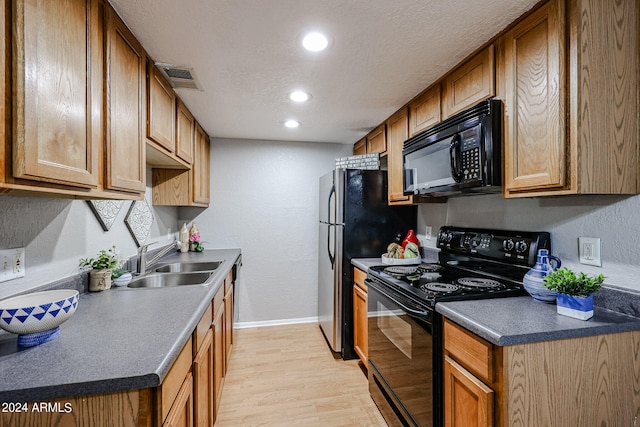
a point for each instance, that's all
(165, 280)
(188, 267)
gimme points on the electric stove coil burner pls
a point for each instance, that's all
(476, 282)
(445, 288)
(429, 268)
(400, 270)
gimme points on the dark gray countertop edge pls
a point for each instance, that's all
(154, 375)
(364, 263)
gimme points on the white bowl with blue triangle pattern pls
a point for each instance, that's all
(37, 313)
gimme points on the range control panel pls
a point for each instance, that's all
(514, 247)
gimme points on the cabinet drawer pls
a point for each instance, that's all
(199, 334)
(358, 278)
(217, 302)
(471, 351)
(228, 281)
(168, 390)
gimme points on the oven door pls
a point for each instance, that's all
(433, 166)
(401, 357)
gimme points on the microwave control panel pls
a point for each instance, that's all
(470, 151)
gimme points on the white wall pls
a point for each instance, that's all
(264, 200)
(614, 219)
(57, 233)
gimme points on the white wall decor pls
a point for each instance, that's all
(139, 220)
(105, 211)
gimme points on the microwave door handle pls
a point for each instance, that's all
(455, 158)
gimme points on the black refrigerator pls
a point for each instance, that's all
(355, 222)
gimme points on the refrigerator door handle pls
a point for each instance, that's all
(331, 193)
(331, 256)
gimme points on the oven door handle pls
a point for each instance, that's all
(421, 314)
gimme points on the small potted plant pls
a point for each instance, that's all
(101, 269)
(575, 293)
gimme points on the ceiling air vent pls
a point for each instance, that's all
(178, 76)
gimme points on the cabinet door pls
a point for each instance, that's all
(181, 413)
(467, 401)
(125, 115)
(424, 111)
(377, 140)
(397, 134)
(201, 169)
(161, 108)
(228, 326)
(360, 325)
(535, 122)
(185, 132)
(203, 382)
(360, 147)
(218, 357)
(469, 84)
(57, 131)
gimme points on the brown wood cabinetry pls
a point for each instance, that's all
(397, 134)
(185, 132)
(55, 136)
(360, 322)
(424, 111)
(124, 108)
(161, 110)
(228, 323)
(470, 83)
(360, 147)
(588, 86)
(203, 380)
(181, 414)
(377, 140)
(552, 383)
(218, 349)
(175, 187)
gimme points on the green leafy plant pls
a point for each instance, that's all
(105, 259)
(565, 281)
(117, 273)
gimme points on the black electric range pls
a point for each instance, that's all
(405, 338)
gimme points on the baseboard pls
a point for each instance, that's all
(243, 325)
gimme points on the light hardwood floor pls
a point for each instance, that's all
(287, 376)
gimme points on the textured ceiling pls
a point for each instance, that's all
(247, 56)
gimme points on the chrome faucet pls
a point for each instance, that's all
(142, 261)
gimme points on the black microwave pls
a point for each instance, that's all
(460, 155)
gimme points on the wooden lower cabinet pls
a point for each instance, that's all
(562, 383)
(360, 322)
(218, 350)
(228, 325)
(203, 382)
(181, 413)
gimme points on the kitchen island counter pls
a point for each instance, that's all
(521, 320)
(118, 339)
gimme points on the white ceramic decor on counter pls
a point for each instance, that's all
(37, 317)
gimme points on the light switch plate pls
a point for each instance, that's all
(427, 232)
(589, 251)
(11, 264)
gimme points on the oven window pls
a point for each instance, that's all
(395, 328)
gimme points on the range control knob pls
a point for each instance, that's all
(521, 246)
(508, 245)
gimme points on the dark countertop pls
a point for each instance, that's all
(364, 263)
(509, 321)
(118, 339)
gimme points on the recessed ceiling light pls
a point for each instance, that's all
(315, 41)
(299, 96)
(292, 124)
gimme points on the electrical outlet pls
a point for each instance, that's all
(589, 251)
(427, 232)
(12, 263)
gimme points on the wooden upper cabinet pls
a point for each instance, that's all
(185, 132)
(161, 108)
(57, 130)
(424, 111)
(360, 147)
(397, 134)
(534, 93)
(201, 168)
(377, 140)
(470, 83)
(124, 107)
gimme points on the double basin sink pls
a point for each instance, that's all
(176, 274)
